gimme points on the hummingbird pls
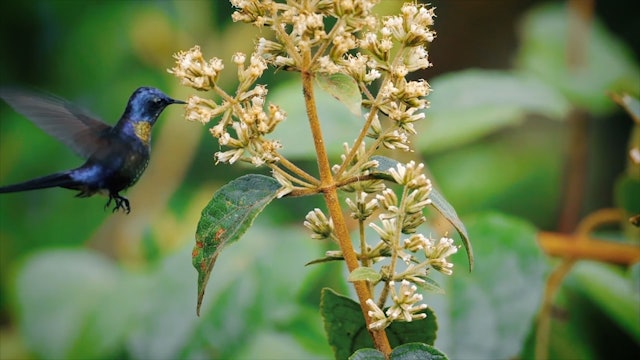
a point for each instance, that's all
(116, 156)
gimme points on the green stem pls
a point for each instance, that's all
(290, 177)
(372, 113)
(298, 171)
(328, 41)
(356, 144)
(364, 254)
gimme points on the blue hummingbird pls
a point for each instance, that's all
(116, 156)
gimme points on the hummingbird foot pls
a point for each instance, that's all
(121, 203)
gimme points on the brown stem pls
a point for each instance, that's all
(578, 34)
(331, 197)
(575, 170)
(543, 331)
(563, 245)
(380, 339)
(581, 245)
(572, 248)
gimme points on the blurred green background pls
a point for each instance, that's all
(79, 282)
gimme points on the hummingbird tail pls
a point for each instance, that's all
(62, 179)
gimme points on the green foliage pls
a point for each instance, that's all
(485, 102)
(84, 316)
(595, 314)
(338, 123)
(628, 194)
(487, 313)
(438, 202)
(347, 331)
(344, 88)
(413, 351)
(613, 291)
(149, 314)
(226, 218)
(364, 273)
(608, 66)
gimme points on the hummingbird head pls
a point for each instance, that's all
(146, 104)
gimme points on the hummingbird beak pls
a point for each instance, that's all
(174, 101)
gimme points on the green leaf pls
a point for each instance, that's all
(475, 177)
(72, 305)
(412, 351)
(627, 192)
(367, 354)
(364, 273)
(249, 297)
(226, 218)
(448, 212)
(346, 329)
(468, 105)
(325, 259)
(594, 299)
(543, 52)
(384, 165)
(338, 124)
(490, 311)
(438, 202)
(342, 87)
(417, 351)
(613, 291)
(430, 285)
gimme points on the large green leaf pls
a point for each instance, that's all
(347, 332)
(253, 295)
(468, 105)
(476, 177)
(487, 313)
(226, 218)
(413, 351)
(75, 304)
(607, 65)
(95, 309)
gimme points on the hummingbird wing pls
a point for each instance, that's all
(71, 125)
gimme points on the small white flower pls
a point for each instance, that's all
(319, 224)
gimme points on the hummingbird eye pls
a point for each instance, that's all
(157, 100)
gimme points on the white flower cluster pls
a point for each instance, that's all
(245, 118)
(398, 216)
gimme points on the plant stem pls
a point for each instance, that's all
(356, 144)
(364, 253)
(331, 197)
(290, 177)
(298, 171)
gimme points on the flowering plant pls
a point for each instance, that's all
(345, 48)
